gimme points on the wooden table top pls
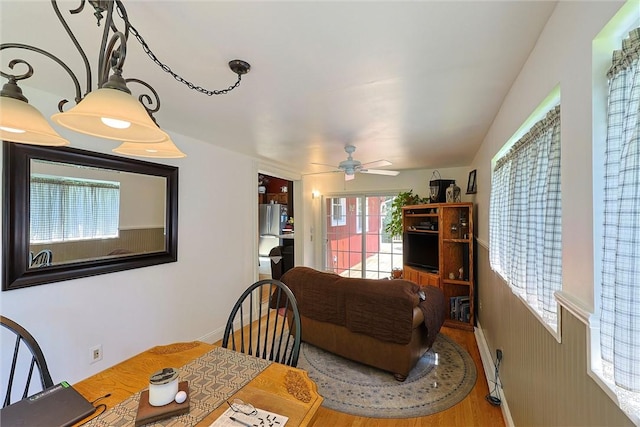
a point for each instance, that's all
(279, 388)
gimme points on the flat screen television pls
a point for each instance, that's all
(421, 250)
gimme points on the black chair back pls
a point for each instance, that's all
(43, 258)
(25, 339)
(271, 330)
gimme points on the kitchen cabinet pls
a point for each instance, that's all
(281, 198)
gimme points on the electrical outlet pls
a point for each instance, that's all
(95, 354)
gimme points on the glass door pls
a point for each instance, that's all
(356, 243)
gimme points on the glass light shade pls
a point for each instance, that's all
(21, 122)
(159, 150)
(105, 105)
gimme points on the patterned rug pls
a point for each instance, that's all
(443, 377)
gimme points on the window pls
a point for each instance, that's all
(620, 255)
(338, 211)
(65, 209)
(525, 218)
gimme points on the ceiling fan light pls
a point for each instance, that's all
(111, 106)
(159, 150)
(23, 123)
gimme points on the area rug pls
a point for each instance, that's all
(443, 377)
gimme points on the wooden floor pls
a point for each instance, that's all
(474, 410)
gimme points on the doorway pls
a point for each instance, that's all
(275, 225)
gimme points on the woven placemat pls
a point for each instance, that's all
(212, 377)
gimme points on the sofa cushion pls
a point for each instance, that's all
(382, 309)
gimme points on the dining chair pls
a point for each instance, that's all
(277, 262)
(271, 327)
(42, 259)
(24, 339)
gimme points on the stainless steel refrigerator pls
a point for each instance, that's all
(273, 218)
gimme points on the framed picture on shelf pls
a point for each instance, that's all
(471, 184)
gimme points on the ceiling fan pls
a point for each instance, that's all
(351, 166)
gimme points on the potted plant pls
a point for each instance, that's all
(405, 198)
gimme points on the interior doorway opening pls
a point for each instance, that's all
(275, 226)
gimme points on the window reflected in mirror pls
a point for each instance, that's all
(83, 213)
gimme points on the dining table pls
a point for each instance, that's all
(215, 376)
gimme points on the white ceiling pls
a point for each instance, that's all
(416, 83)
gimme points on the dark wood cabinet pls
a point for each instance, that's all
(281, 198)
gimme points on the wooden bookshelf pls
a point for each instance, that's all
(452, 223)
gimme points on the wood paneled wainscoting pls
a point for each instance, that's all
(135, 241)
(545, 382)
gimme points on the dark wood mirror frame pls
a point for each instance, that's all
(16, 213)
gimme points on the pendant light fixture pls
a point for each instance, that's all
(111, 114)
(160, 150)
(109, 111)
(21, 122)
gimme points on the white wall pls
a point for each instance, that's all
(130, 311)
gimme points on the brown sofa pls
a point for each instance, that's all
(381, 323)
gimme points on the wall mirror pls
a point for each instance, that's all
(70, 213)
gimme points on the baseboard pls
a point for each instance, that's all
(489, 371)
(217, 334)
(213, 336)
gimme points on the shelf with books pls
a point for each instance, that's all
(447, 255)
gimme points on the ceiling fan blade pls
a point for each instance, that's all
(376, 164)
(349, 177)
(318, 173)
(380, 172)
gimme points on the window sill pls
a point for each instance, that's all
(628, 404)
(553, 329)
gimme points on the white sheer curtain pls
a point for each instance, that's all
(65, 209)
(525, 217)
(620, 298)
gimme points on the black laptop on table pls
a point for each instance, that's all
(57, 406)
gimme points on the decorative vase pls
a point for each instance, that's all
(453, 194)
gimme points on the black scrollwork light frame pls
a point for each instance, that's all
(112, 55)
